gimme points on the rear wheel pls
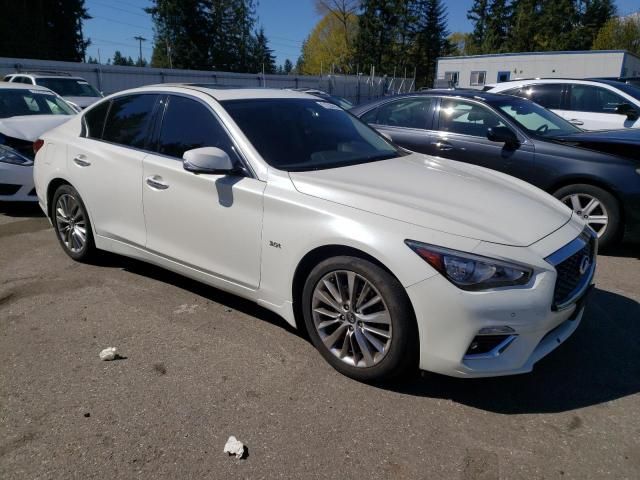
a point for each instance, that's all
(71, 223)
(595, 206)
(359, 317)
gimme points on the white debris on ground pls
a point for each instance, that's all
(234, 447)
(109, 354)
(186, 308)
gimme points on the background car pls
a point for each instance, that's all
(75, 90)
(26, 112)
(286, 199)
(336, 100)
(594, 173)
(634, 81)
(589, 104)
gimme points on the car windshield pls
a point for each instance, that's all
(533, 118)
(305, 134)
(18, 102)
(69, 87)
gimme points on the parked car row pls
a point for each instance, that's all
(594, 173)
(423, 251)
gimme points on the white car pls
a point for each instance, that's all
(388, 259)
(589, 104)
(75, 90)
(26, 112)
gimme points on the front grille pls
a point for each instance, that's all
(574, 271)
(8, 189)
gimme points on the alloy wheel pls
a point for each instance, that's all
(351, 318)
(71, 223)
(590, 209)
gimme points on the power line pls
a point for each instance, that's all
(106, 5)
(122, 23)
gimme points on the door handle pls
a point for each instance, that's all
(575, 121)
(442, 146)
(156, 182)
(81, 161)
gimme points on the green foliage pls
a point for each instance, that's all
(119, 59)
(288, 67)
(43, 29)
(619, 33)
(209, 34)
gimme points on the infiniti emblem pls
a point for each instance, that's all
(584, 264)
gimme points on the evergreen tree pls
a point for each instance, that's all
(525, 22)
(497, 27)
(594, 14)
(288, 67)
(479, 16)
(430, 39)
(43, 29)
(261, 55)
(119, 59)
(183, 27)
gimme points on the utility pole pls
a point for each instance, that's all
(140, 40)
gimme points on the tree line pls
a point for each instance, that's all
(392, 37)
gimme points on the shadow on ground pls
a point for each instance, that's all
(21, 209)
(599, 363)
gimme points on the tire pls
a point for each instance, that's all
(607, 207)
(71, 224)
(339, 335)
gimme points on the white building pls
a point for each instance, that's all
(475, 71)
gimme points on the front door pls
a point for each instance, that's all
(461, 134)
(209, 222)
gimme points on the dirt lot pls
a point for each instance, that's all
(202, 365)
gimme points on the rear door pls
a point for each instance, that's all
(105, 165)
(211, 222)
(406, 121)
(461, 134)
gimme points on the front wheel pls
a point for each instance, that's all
(359, 318)
(597, 207)
(71, 223)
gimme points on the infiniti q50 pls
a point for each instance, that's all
(389, 260)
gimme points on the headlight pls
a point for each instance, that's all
(9, 155)
(471, 272)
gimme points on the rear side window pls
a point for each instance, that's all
(188, 124)
(586, 98)
(129, 120)
(549, 95)
(94, 120)
(408, 113)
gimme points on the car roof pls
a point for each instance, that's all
(22, 86)
(526, 81)
(222, 93)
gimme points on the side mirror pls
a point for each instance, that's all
(502, 134)
(207, 160)
(628, 110)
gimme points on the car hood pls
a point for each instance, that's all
(442, 195)
(30, 127)
(82, 102)
(629, 135)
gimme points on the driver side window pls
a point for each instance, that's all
(188, 124)
(407, 113)
(467, 118)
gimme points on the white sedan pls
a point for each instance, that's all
(390, 260)
(26, 112)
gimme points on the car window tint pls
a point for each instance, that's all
(548, 95)
(129, 119)
(21, 102)
(467, 118)
(408, 113)
(94, 119)
(370, 117)
(188, 124)
(587, 98)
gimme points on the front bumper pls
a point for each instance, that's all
(450, 319)
(16, 183)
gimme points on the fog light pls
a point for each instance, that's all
(488, 346)
(500, 330)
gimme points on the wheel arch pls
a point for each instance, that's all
(54, 184)
(313, 258)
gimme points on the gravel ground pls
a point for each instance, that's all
(201, 365)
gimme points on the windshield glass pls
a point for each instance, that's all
(69, 87)
(18, 102)
(305, 134)
(533, 118)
